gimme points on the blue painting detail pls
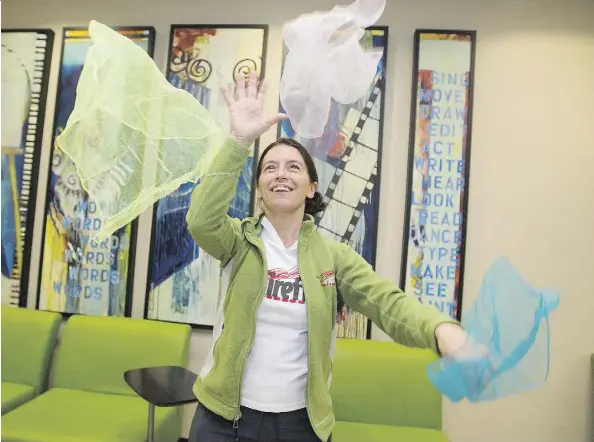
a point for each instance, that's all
(173, 246)
(10, 231)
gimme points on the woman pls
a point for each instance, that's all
(267, 377)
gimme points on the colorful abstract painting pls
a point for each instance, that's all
(347, 159)
(437, 187)
(78, 274)
(184, 281)
(26, 61)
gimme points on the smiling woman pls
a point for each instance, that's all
(288, 179)
(268, 371)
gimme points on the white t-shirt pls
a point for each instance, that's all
(275, 376)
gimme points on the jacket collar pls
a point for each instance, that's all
(252, 226)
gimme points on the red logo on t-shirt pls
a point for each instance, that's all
(285, 286)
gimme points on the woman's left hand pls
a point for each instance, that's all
(471, 362)
(450, 338)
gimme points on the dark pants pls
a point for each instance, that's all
(254, 426)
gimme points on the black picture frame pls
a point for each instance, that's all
(151, 37)
(382, 84)
(32, 156)
(420, 233)
(152, 247)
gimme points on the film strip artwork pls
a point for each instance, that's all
(357, 171)
(26, 60)
(183, 280)
(347, 158)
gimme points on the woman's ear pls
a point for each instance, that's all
(313, 188)
(259, 209)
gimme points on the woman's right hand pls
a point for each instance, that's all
(246, 109)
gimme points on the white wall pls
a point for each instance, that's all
(531, 195)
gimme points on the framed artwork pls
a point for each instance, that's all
(184, 281)
(348, 160)
(438, 168)
(26, 62)
(79, 275)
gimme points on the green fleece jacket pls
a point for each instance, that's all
(326, 267)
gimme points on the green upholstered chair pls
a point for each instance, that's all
(88, 399)
(28, 341)
(380, 392)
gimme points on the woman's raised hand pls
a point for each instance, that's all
(246, 109)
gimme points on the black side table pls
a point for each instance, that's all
(162, 387)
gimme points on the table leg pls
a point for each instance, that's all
(151, 423)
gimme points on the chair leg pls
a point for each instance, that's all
(151, 423)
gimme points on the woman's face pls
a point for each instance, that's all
(284, 182)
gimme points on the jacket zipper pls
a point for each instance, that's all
(307, 395)
(236, 428)
(258, 303)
